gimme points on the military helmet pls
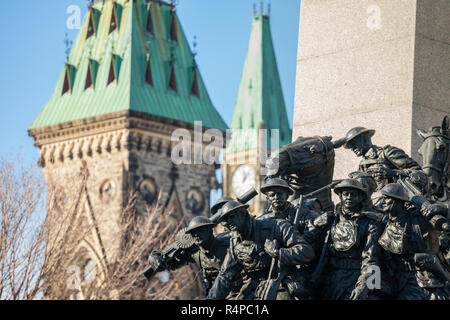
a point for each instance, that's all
(396, 191)
(219, 203)
(276, 183)
(350, 184)
(365, 179)
(199, 222)
(354, 132)
(230, 207)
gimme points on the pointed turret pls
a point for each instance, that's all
(130, 56)
(260, 97)
(259, 105)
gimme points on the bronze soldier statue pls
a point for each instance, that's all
(277, 192)
(350, 247)
(386, 164)
(367, 181)
(416, 274)
(436, 214)
(254, 247)
(215, 209)
(207, 252)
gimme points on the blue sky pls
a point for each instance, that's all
(33, 53)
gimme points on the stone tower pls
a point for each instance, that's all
(129, 81)
(380, 64)
(259, 105)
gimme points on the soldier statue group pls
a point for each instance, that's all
(387, 238)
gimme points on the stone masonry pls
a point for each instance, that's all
(122, 152)
(380, 64)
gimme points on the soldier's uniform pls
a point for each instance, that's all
(247, 257)
(375, 158)
(311, 207)
(389, 157)
(209, 259)
(403, 237)
(351, 247)
(297, 281)
(437, 214)
(311, 210)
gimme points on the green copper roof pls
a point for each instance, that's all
(116, 58)
(260, 97)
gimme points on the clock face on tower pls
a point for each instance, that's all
(243, 179)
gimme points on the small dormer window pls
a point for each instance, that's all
(94, 17)
(66, 85)
(69, 78)
(90, 30)
(148, 74)
(194, 88)
(89, 82)
(114, 68)
(172, 80)
(116, 15)
(113, 24)
(173, 28)
(91, 74)
(112, 74)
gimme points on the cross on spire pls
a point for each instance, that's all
(194, 46)
(68, 44)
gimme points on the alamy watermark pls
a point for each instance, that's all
(74, 20)
(374, 280)
(76, 277)
(191, 149)
(374, 19)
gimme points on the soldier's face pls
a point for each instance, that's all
(390, 205)
(202, 235)
(359, 145)
(277, 198)
(235, 221)
(386, 204)
(351, 199)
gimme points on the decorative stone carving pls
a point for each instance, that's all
(107, 190)
(195, 200)
(148, 190)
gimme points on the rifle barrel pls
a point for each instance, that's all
(298, 212)
(328, 186)
(416, 195)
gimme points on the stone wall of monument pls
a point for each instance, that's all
(380, 64)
